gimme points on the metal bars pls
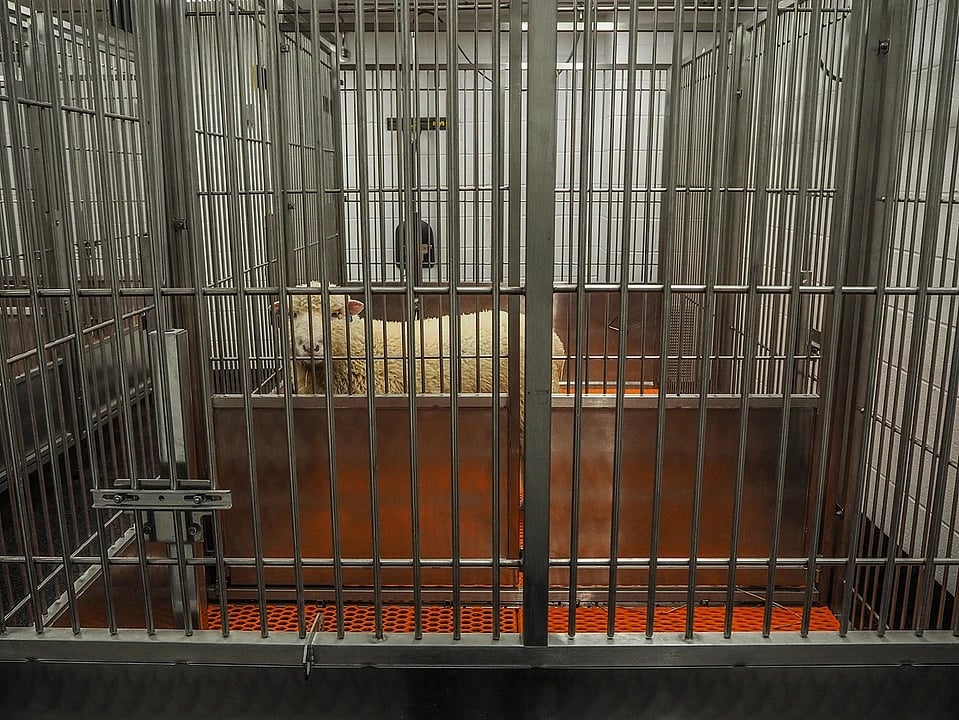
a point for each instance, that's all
(681, 212)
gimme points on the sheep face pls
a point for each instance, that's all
(306, 316)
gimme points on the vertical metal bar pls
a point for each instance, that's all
(540, 233)
(666, 257)
(934, 521)
(626, 247)
(569, 169)
(282, 166)
(365, 248)
(379, 144)
(453, 240)
(582, 235)
(923, 618)
(809, 110)
(711, 253)
(514, 259)
(753, 269)
(828, 373)
(496, 279)
(477, 174)
(515, 197)
(404, 121)
(332, 465)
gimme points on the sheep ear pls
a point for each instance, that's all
(355, 307)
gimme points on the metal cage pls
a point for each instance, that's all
(658, 335)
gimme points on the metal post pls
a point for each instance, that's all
(540, 231)
(179, 182)
(175, 385)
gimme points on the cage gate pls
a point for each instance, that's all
(673, 384)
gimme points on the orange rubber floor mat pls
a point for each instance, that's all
(476, 619)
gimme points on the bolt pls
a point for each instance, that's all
(193, 530)
(198, 499)
(118, 498)
(147, 528)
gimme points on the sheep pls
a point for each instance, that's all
(431, 341)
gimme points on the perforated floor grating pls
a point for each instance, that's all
(401, 619)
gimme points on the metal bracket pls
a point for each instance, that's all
(162, 499)
(189, 503)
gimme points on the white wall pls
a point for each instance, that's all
(603, 227)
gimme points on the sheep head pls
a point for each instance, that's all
(306, 321)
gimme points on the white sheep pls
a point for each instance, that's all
(431, 341)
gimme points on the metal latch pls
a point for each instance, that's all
(309, 652)
(166, 514)
(162, 499)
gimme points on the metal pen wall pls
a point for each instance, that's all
(687, 182)
(908, 483)
(78, 410)
(745, 173)
(240, 70)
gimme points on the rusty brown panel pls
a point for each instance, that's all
(679, 463)
(354, 491)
